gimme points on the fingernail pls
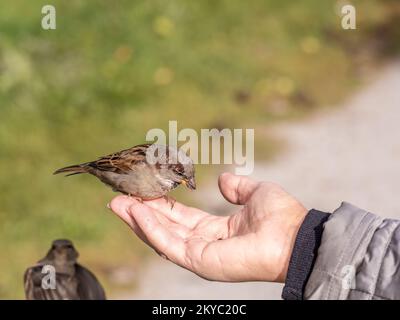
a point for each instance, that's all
(108, 206)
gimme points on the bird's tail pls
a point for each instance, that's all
(71, 170)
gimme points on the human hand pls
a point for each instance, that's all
(253, 244)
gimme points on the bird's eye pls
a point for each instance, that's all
(179, 173)
(179, 169)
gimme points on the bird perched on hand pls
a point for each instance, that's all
(71, 280)
(146, 171)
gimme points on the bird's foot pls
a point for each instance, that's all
(170, 200)
(139, 199)
(136, 198)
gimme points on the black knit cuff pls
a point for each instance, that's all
(304, 254)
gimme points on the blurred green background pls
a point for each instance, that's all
(114, 69)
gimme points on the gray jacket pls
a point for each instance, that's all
(358, 257)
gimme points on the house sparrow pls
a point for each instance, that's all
(146, 171)
(71, 280)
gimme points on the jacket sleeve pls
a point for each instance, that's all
(358, 257)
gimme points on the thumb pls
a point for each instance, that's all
(236, 189)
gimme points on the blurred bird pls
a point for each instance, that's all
(72, 281)
(146, 171)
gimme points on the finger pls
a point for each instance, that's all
(187, 221)
(236, 189)
(162, 239)
(180, 229)
(179, 214)
(120, 206)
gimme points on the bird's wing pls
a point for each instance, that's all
(30, 283)
(123, 161)
(89, 288)
(33, 285)
(65, 289)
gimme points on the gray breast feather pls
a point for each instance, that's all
(140, 183)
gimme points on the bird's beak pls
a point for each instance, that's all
(190, 183)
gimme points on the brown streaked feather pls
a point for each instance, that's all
(119, 162)
(123, 161)
(75, 169)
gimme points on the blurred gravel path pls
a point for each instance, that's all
(349, 153)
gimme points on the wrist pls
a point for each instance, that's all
(304, 253)
(280, 237)
(291, 232)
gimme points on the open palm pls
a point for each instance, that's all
(253, 244)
